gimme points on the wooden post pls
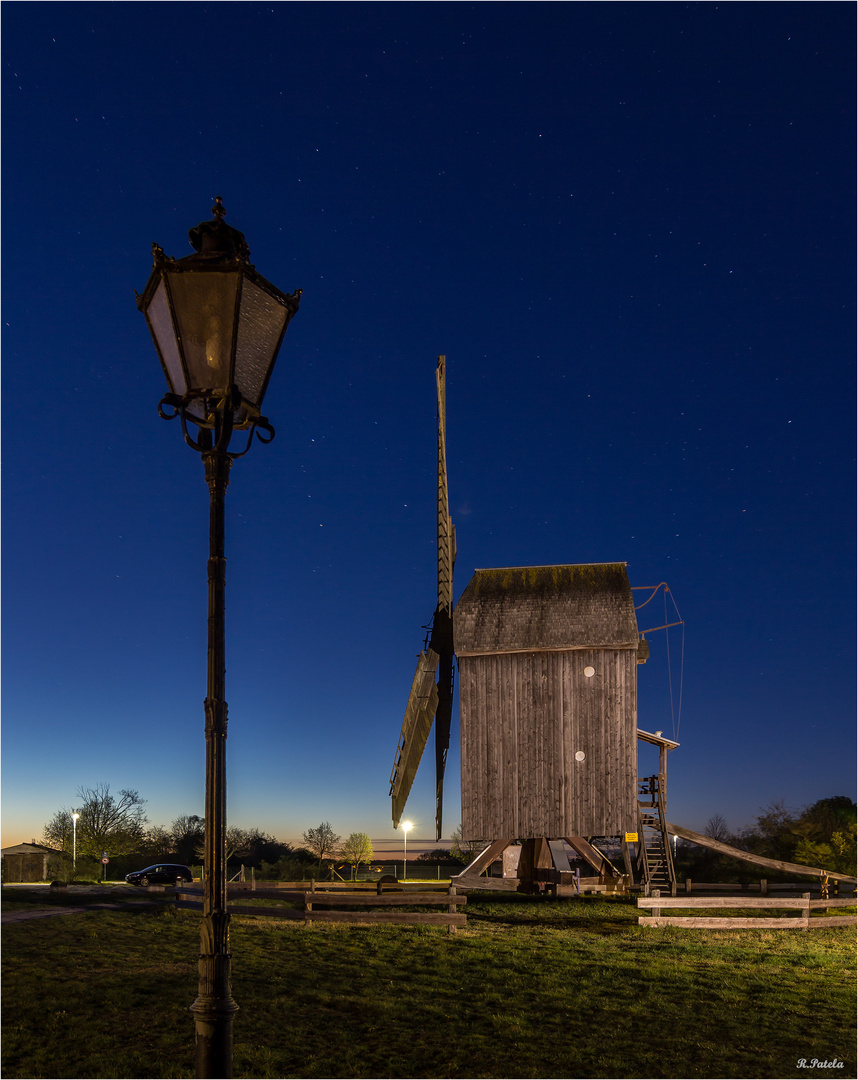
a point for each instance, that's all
(627, 861)
(688, 886)
(451, 908)
(764, 887)
(526, 866)
(656, 911)
(308, 900)
(806, 898)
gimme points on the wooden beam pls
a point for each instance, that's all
(542, 854)
(274, 912)
(549, 649)
(757, 860)
(705, 902)
(656, 740)
(591, 855)
(484, 859)
(411, 917)
(393, 899)
(494, 884)
(703, 923)
(627, 861)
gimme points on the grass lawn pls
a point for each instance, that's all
(531, 988)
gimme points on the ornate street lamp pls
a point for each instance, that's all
(217, 326)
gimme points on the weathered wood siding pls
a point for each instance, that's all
(524, 717)
(524, 637)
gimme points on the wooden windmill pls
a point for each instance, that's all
(429, 699)
(547, 659)
(548, 667)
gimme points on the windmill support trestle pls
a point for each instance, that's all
(543, 866)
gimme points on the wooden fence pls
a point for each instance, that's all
(764, 887)
(802, 920)
(326, 905)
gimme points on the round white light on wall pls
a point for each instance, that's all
(580, 755)
(589, 672)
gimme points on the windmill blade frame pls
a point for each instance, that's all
(419, 713)
(426, 702)
(442, 624)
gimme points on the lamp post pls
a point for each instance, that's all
(217, 326)
(406, 825)
(74, 816)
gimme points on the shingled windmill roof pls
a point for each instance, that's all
(546, 607)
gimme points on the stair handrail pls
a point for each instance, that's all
(653, 787)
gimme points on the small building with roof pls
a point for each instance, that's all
(26, 862)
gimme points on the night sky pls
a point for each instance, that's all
(631, 230)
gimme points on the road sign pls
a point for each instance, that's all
(105, 861)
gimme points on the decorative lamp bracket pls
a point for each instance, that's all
(215, 427)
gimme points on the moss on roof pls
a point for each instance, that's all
(532, 607)
(550, 580)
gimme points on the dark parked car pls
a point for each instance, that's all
(160, 874)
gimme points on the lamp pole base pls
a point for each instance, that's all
(214, 1008)
(213, 1047)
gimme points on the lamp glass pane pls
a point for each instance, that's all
(204, 305)
(260, 325)
(158, 315)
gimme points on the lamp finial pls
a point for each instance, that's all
(216, 238)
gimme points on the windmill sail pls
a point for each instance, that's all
(442, 624)
(428, 700)
(422, 703)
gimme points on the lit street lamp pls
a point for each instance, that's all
(406, 825)
(217, 326)
(74, 840)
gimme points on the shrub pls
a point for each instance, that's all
(287, 869)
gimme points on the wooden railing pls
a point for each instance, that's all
(326, 905)
(802, 920)
(764, 887)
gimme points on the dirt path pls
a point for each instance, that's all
(46, 913)
(94, 891)
(37, 913)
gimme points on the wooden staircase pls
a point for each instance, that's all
(655, 862)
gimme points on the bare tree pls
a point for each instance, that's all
(157, 843)
(716, 828)
(322, 841)
(188, 833)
